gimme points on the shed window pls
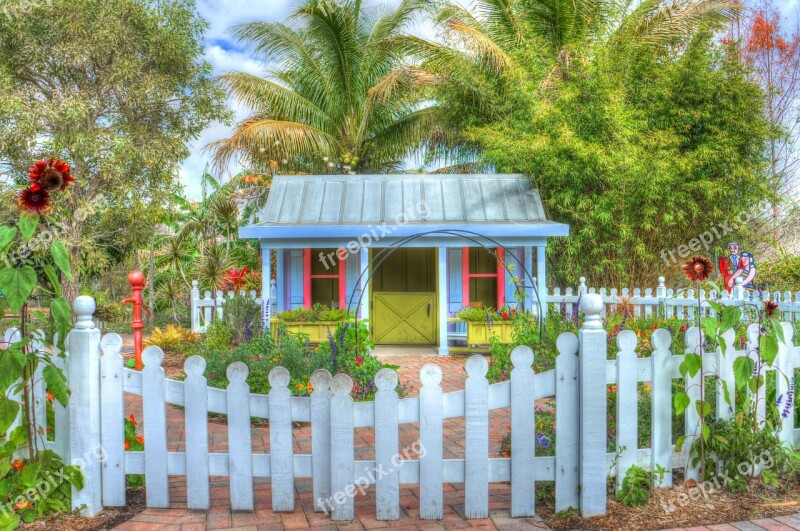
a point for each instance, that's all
(324, 275)
(483, 277)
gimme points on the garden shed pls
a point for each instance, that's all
(455, 233)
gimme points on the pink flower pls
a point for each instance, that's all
(359, 361)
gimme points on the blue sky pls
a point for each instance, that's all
(224, 54)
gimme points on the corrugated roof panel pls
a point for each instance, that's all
(392, 200)
(332, 202)
(513, 197)
(453, 200)
(372, 210)
(533, 204)
(493, 200)
(291, 202)
(473, 200)
(412, 201)
(312, 198)
(272, 210)
(353, 202)
(432, 198)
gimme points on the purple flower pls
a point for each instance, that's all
(787, 407)
(542, 441)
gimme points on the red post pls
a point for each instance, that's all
(137, 281)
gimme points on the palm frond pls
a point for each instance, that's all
(657, 21)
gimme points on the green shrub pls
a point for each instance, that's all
(318, 312)
(242, 317)
(635, 491)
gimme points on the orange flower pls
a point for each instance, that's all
(698, 269)
(17, 465)
(50, 396)
(140, 439)
(21, 505)
(508, 427)
(127, 445)
(133, 419)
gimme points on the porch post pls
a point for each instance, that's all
(541, 278)
(363, 270)
(266, 276)
(280, 271)
(443, 302)
(530, 303)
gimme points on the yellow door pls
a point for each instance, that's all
(404, 318)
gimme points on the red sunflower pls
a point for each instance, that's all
(52, 175)
(35, 199)
(770, 307)
(698, 269)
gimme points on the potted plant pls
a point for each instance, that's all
(484, 323)
(315, 323)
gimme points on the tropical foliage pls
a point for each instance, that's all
(329, 101)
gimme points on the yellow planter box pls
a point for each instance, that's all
(317, 331)
(479, 332)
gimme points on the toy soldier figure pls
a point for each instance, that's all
(738, 265)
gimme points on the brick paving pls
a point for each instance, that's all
(220, 516)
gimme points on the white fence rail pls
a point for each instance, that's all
(669, 302)
(578, 383)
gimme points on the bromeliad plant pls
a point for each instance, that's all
(33, 262)
(748, 373)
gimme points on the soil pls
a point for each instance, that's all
(107, 519)
(719, 506)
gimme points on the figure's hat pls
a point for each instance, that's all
(733, 244)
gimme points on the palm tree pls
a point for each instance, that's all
(485, 45)
(318, 108)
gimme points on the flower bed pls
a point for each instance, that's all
(315, 324)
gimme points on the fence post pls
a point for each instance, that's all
(84, 407)
(592, 357)
(195, 306)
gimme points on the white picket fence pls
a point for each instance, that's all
(94, 420)
(669, 302)
(207, 306)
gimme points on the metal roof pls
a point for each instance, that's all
(355, 201)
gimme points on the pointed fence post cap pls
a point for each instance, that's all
(592, 308)
(84, 307)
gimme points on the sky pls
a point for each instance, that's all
(225, 54)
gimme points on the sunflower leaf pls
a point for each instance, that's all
(6, 235)
(17, 284)
(28, 221)
(61, 258)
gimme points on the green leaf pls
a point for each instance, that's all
(703, 408)
(679, 443)
(17, 285)
(693, 364)
(706, 431)
(9, 409)
(743, 370)
(777, 329)
(731, 315)
(721, 439)
(6, 235)
(768, 348)
(710, 326)
(62, 315)
(12, 361)
(713, 285)
(681, 401)
(61, 258)
(52, 277)
(56, 383)
(28, 222)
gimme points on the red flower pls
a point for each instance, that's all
(770, 307)
(127, 445)
(50, 175)
(140, 439)
(34, 199)
(504, 316)
(234, 279)
(133, 419)
(21, 505)
(17, 465)
(359, 361)
(683, 328)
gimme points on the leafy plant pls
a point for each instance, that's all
(318, 312)
(170, 338)
(242, 317)
(635, 491)
(133, 443)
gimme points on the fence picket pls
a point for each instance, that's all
(661, 409)
(321, 438)
(240, 452)
(11, 336)
(726, 381)
(342, 448)
(387, 488)
(692, 419)
(476, 421)
(38, 392)
(785, 386)
(567, 422)
(431, 497)
(280, 440)
(155, 428)
(753, 353)
(195, 391)
(627, 395)
(523, 433)
(112, 427)
(61, 413)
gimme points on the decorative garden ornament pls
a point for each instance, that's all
(739, 264)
